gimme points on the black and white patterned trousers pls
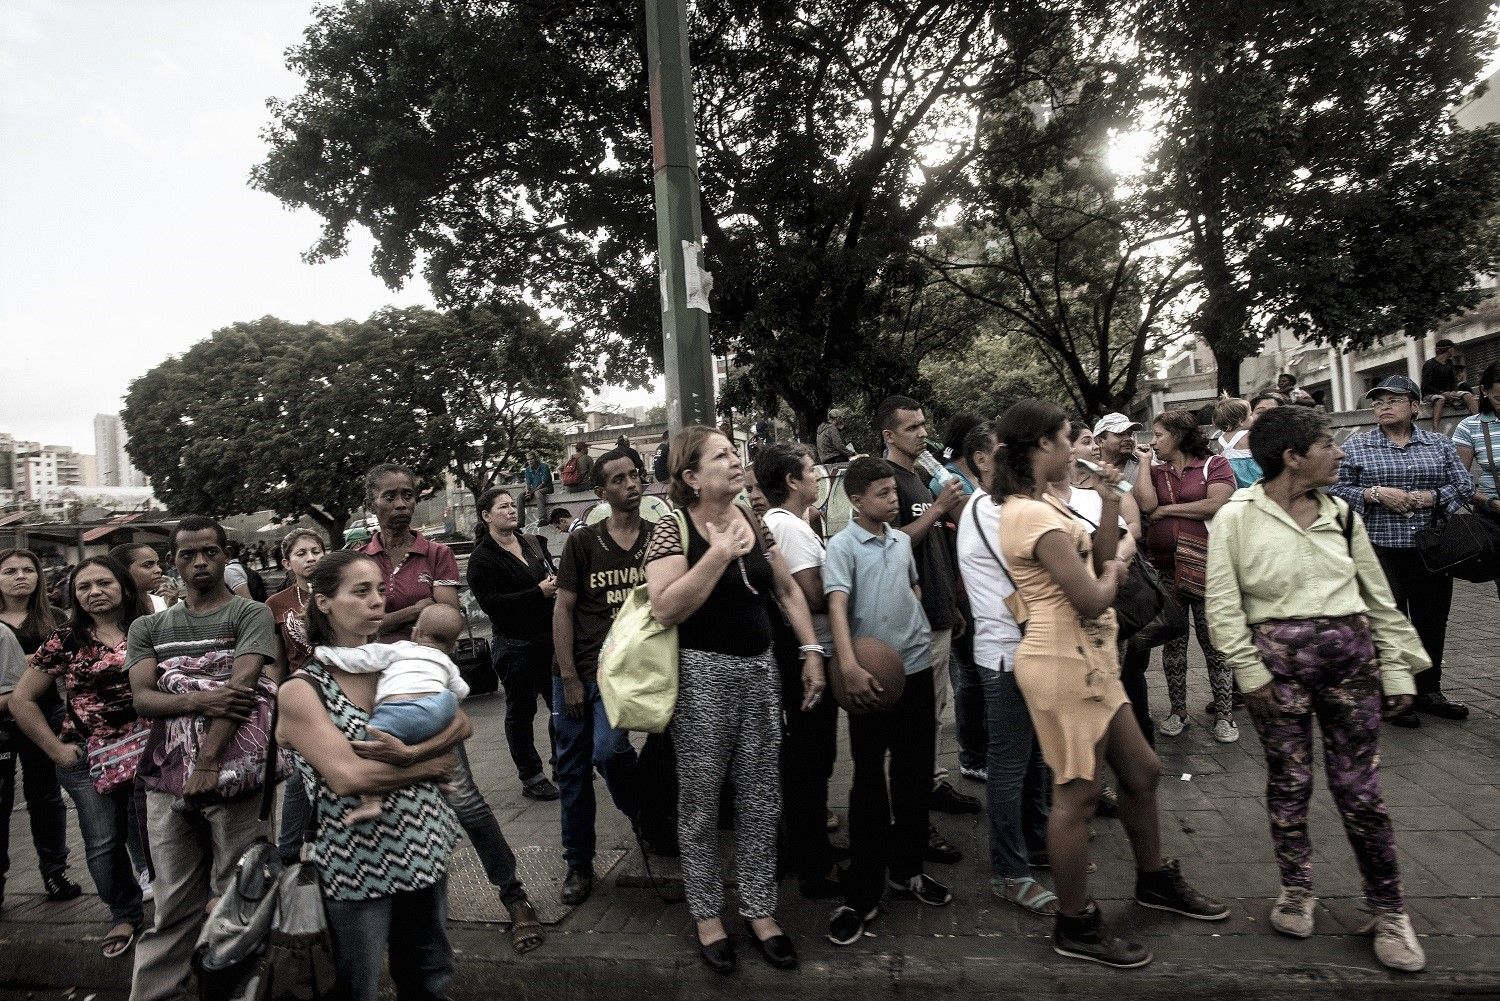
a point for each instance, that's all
(728, 724)
(1174, 657)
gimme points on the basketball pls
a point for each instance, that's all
(884, 664)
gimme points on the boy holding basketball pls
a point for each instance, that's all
(870, 578)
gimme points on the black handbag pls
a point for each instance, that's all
(471, 655)
(1140, 599)
(1141, 595)
(1171, 623)
(1460, 546)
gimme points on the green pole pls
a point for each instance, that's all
(679, 228)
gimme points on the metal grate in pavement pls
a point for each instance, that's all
(542, 870)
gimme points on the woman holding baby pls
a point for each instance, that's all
(384, 879)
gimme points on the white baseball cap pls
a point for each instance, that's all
(1116, 424)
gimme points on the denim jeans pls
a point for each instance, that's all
(295, 809)
(483, 829)
(413, 721)
(44, 802)
(968, 710)
(411, 926)
(106, 820)
(525, 669)
(1016, 792)
(583, 745)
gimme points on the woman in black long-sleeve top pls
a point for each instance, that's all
(513, 579)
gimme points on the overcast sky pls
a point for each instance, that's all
(127, 229)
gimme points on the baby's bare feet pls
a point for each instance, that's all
(368, 809)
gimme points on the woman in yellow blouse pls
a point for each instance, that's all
(1298, 605)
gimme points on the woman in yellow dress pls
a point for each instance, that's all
(1068, 673)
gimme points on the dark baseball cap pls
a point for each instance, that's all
(1398, 384)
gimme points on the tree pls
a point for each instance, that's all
(1309, 148)
(274, 415)
(988, 376)
(504, 375)
(505, 145)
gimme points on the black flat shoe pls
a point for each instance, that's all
(719, 955)
(1439, 705)
(777, 950)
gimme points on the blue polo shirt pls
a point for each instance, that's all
(878, 572)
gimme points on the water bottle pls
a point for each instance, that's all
(1122, 488)
(934, 469)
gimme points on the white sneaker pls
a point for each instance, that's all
(1172, 726)
(145, 879)
(1225, 732)
(1396, 943)
(1293, 913)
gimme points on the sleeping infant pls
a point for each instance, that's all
(419, 689)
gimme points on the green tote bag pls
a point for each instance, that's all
(638, 664)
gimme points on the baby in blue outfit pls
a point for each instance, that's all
(419, 690)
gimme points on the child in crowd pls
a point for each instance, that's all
(420, 687)
(1232, 417)
(870, 577)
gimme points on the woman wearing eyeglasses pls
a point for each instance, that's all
(1397, 476)
(713, 571)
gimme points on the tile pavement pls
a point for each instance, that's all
(1442, 784)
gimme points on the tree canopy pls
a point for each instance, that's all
(1306, 174)
(1310, 150)
(506, 146)
(288, 417)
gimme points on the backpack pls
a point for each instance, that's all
(256, 584)
(570, 472)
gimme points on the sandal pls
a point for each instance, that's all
(116, 943)
(525, 929)
(1026, 893)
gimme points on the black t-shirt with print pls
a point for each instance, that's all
(601, 574)
(934, 562)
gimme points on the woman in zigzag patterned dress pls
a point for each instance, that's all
(385, 882)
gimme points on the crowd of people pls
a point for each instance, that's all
(1002, 577)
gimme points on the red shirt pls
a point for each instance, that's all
(427, 565)
(1192, 485)
(291, 627)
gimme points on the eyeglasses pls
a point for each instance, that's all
(1389, 401)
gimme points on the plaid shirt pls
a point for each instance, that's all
(1428, 462)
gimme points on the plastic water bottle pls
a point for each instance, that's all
(934, 469)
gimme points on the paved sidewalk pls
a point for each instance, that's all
(1442, 784)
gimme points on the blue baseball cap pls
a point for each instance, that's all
(1398, 384)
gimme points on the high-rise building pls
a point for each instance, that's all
(115, 469)
(38, 468)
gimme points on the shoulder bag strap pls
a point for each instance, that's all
(1345, 517)
(979, 527)
(1489, 447)
(268, 780)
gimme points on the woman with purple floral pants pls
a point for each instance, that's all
(1298, 605)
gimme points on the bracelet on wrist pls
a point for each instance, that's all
(816, 648)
